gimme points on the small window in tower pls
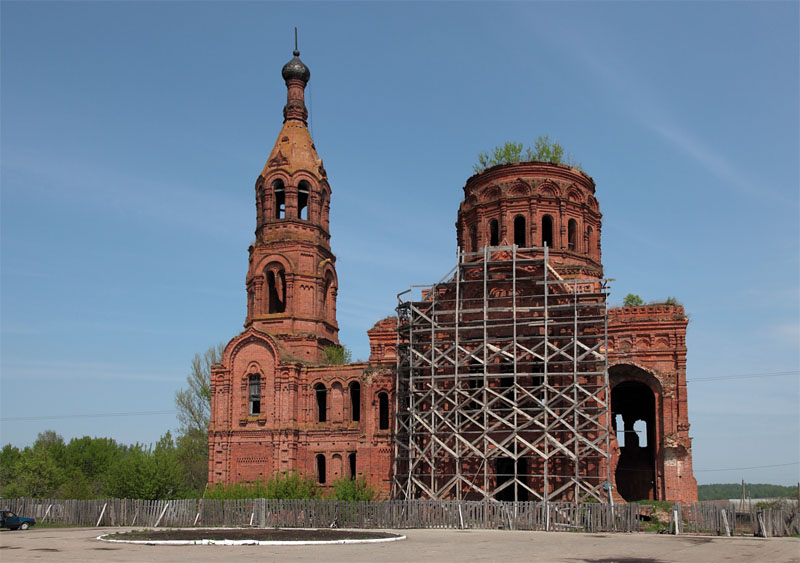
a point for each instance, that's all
(519, 230)
(352, 459)
(276, 288)
(320, 468)
(302, 201)
(321, 395)
(473, 239)
(355, 401)
(547, 231)
(572, 234)
(494, 233)
(254, 392)
(328, 300)
(279, 199)
(589, 233)
(383, 411)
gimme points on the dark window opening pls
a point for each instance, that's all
(322, 402)
(504, 472)
(473, 239)
(302, 201)
(519, 230)
(352, 459)
(383, 411)
(279, 200)
(572, 234)
(355, 401)
(547, 231)
(320, 468)
(254, 392)
(276, 286)
(474, 382)
(589, 246)
(494, 233)
(507, 367)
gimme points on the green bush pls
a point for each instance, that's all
(337, 355)
(632, 300)
(287, 485)
(353, 489)
(509, 152)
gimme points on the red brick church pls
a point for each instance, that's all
(276, 406)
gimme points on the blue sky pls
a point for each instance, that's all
(132, 135)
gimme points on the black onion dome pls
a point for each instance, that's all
(296, 69)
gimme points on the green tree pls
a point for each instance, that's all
(194, 409)
(194, 402)
(10, 458)
(149, 473)
(632, 300)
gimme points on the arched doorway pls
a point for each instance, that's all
(633, 412)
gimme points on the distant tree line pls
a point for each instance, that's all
(723, 491)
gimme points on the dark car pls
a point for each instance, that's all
(14, 522)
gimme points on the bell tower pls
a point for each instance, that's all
(291, 280)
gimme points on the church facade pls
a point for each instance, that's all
(277, 405)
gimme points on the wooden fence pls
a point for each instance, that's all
(720, 519)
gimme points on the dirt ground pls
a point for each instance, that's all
(461, 546)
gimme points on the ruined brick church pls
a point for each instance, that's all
(510, 379)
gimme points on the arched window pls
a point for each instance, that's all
(473, 239)
(355, 401)
(572, 234)
(260, 204)
(547, 231)
(383, 411)
(519, 231)
(276, 290)
(494, 233)
(320, 468)
(589, 245)
(327, 296)
(321, 395)
(352, 459)
(279, 201)
(302, 200)
(254, 393)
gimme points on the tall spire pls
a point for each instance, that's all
(296, 75)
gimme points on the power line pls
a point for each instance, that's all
(744, 376)
(98, 415)
(752, 467)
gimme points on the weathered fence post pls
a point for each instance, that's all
(161, 515)
(102, 512)
(725, 522)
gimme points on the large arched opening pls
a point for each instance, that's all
(634, 419)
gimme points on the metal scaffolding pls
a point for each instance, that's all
(502, 383)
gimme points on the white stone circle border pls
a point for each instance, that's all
(247, 542)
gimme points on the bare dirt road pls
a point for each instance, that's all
(440, 546)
